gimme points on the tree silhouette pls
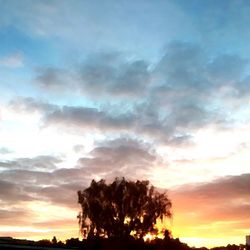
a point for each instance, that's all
(122, 207)
(54, 240)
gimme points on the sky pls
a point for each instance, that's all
(156, 90)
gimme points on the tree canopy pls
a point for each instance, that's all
(121, 207)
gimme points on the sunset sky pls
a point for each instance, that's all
(156, 90)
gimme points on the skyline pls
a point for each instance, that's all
(145, 90)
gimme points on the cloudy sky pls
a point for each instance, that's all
(156, 90)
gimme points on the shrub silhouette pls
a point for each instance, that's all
(122, 207)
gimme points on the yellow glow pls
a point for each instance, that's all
(189, 230)
(23, 229)
(40, 224)
(211, 241)
(148, 237)
(46, 211)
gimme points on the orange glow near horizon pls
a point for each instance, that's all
(210, 234)
(57, 221)
(190, 237)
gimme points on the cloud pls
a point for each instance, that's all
(230, 187)
(12, 193)
(57, 187)
(226, 69)
(74, 116)
(13, 217)
(181, 67)
(43, 162)
(12, 61)
(39, 179)
(185, 73)
(142, 120)
(62, 194)
(19, 187)
(29, 104)
(188, 67)
(28, 177)
(90, 118)
(109, 73)
(54, 79)
(187, 89)
(120, 157)
(195, 89)
(224, 199)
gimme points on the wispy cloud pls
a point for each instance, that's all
(14, 60)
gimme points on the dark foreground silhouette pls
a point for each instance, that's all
(117, 209)
(97, 243)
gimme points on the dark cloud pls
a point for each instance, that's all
(27, 177)
(72, 176)
(188, 81)
(43, 162)
(146, 119)
(110, 74)
(12, 193)
(120, 157)
(172, 123)
(230, 187)
(223, 199)
(59, 186)
(226, 198)
(13, 217)
(91, 118)
(64, 194)
(226, 69)
(186, 72)
(140, 121)
(182, 92)
(182, 67)
(39, 178)
(76, 117)
(53, 78)
(103, 73)
(189, 115)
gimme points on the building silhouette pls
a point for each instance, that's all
(248, 242)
